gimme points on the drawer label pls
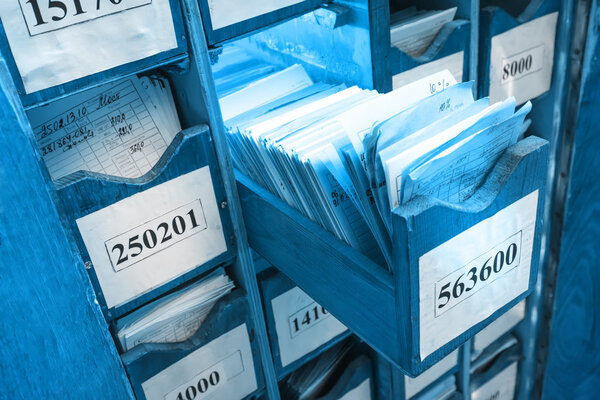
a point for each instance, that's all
(57, 41)
(466, 279)
(150, 238)
(222, 369)
(302, 325)
(521, 60)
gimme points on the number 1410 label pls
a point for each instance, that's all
(44, 16)
(466, 279)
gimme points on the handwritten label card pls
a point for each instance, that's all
(154, 236)
(302, 325)
(466, 279)
(222, 369)
(58, 41)
(521, 60)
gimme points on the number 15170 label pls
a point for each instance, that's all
(48, 15)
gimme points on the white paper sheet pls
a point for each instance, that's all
(118, 129)
(521, 60)
(222, 369)
(154, 236)
(500, 387)
(468, 259)
(415, 35)
(302, 325)
(228, 12)
(453, 63)
(104, 35)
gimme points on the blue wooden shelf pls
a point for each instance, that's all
(385, 313)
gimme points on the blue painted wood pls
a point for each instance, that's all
(173, 56)
(215, 36)
(385, 315)
(207, 102)
(574, 349)
(463, 6)
(149, 359)
(53, 333)
(379, 24)
(82, 193)
(273, 284)
(453, 38)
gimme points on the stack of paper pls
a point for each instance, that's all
(346, 157)
(120, 128)
(414, 31)
(176, 317)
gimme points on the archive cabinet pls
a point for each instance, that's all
(412, 320)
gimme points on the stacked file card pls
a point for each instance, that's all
(346, 157)
(414, 31)
(176, 317)
(120, 128)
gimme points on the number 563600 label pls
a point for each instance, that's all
(466, 279)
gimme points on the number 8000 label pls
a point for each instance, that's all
(477, 274)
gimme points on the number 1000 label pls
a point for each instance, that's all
(477, 274)
(47, 15)
(155, 235)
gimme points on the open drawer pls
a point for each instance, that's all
(456, 268)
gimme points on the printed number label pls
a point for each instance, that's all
(203, 386)
(47, 15)
(148, 239)
(476, 275)
(306, 318)
(522, 64)
(208, 381)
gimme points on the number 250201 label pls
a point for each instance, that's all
(43, 16)
(478, 274)
(148, 239)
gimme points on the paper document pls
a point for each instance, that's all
(176, 317)
(414, 34)
(120, 129)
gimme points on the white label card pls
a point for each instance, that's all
(466, 279)
(361, 392)
(521, 60)
(228, 12)
(302, 325)
(500, 387)
(57, 41)
(152, 237)
(222, 369)
(453, 63)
